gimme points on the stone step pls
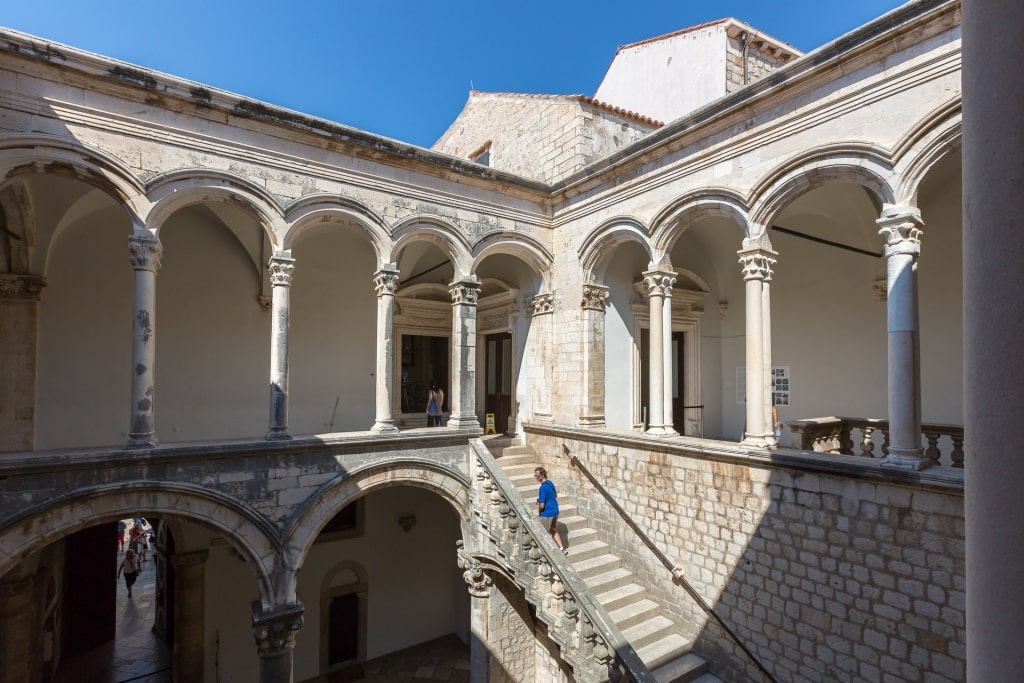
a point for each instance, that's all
(594, 567)
(574, 524)
(688, 668)
(649, 632)
(579, 536)
(588, 550)
(636, 612)
(619, 596)
(525, 469)
(664, 651)
(512, 460)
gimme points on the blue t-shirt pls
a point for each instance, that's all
(548, 496)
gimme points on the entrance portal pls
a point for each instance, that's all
(498, 390)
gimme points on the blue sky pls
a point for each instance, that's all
(402, 68)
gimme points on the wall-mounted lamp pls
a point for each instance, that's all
(407, 522)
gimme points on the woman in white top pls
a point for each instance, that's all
(131, 566)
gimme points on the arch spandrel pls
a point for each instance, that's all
(857, 163)
(313, 210)
(439, 232)
(244, 528)
(602, 241)
(672, 221)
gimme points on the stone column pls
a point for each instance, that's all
(666, 329)
(658, 283)
(757, 265)
(479, 585)
(771, 441)
(540, 310)
(901, 227)
(463, 390)
(20, 631)
(19, 310)
(595, 301)
(281, 268)
(145, 253)
(189, 615)
(385, 281)
(275, 633)
(993, 243)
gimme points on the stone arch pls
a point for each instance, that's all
(524, 247)
(445, 481)
(447, 237)
(247, 531)
(675, 218)
(861, 164)
(930, 140)
(315, 209)
(174, 191)
(601, 242)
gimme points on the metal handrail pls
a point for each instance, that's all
(677, 575)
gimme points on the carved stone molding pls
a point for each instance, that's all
(22, 287)
(659, 282)
(385, 282)
(757, 264)
(902, 229)
(464, 292)
(475, 577)
(541, 304)
(193, 559)
(281, 269)
(275, 632)
(595, 297)
(880, 290)
(145, 253)
(265, 302)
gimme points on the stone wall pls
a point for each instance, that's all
(510, 634)
(831, 573)
(759, 63)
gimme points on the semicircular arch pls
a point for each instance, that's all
(932, 139)
(244, 528)
(672, 221)
(524, 247)
(446, 236)
(313, 210)
(599, 244)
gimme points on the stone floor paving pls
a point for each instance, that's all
(136, 654)
(441, 659)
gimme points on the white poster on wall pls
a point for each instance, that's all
(780, 385)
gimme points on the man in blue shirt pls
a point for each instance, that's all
(547, 504)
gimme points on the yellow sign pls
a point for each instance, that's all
(489, 419)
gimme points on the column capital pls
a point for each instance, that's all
(280, 269)
(659, 282)
(595, 297)
(540, 305)
(465, 291)
(385, 280)
(474, 576)
(145, 252)
(757, 263)
(21, 287)
(275, 631)
(902, 227)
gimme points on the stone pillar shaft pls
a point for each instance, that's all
(757, 273)
(189, 615)
(20, 637)
(595, 300)
(901, 226)
(540, 310)
(993, 244)
(666, 311)
(659, 286)
(385, 281)
(145, 253)
(19, 310)
(281, 268)
(275, 633)
(768, 382)
(463, 390)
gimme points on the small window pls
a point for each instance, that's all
(483, 156)
(348, 523)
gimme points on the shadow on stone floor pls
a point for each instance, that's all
(442, 659)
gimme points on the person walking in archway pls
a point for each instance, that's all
(435, 405)
(130, 567)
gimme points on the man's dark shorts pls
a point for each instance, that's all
(549, 522)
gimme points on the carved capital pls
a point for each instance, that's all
(465, 292)
(281, 269)
(902, 227)
(595, 297)
(265, 303)
(23, 287)
(880, 290)
(275, 632)
(475, 577)
(385, 282)
(145, 253)
(659, 282)
(194, 559)
(757, 263)
(540, 305)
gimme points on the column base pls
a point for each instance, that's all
(278, 434)
(384, 427)
(905, 460)
(141, 441)
(758, 441)
(546, 418)
(463, 422)
(661, 431)
(591, 421)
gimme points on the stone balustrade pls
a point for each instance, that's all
(507, 535)
(869, 437)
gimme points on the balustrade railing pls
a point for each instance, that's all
(869, 437)
(507, 533)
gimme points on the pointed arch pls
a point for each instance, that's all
(678, 216)
(857, 163)
(313, 210)
(446, 236)
(601, 242)
(934, 137)
(524, 247)
(243, 527)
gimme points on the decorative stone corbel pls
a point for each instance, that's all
(21, 287)
(275, 632)
(473, 574)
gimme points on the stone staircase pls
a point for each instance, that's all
(667, 654)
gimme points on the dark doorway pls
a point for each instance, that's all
(163, 624)
(678, 383)
(343, 639)
(645, 378)
(424, 360)
(498, 357)
(90, 589)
